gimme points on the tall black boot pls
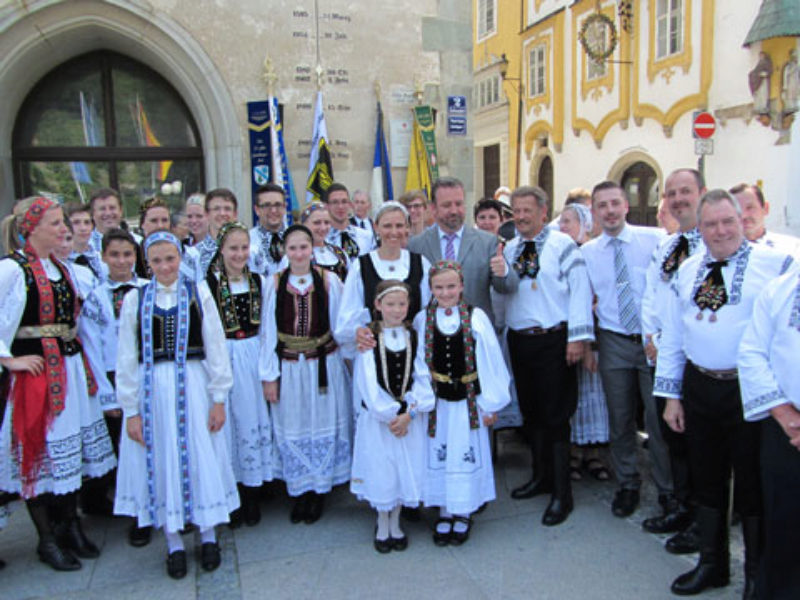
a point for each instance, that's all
(713, 568)
(48, 549)
(753, 543)
(251, 508)
(68, 527)
(542, 480)
(237, 516)
(561, 502)
(94, 496)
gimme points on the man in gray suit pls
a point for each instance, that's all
(482, 263)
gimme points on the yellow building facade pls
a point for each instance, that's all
(601, 89)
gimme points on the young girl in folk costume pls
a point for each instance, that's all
(311, 414)
(326, 255)
(394, 383)
(53, 431)
(239, 296)
(390, 261)
(471, 384)
(173, 378)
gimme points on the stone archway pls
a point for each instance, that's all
(541, 174)
(43, 35)
(641, 177)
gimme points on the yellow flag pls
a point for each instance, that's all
(419, 172)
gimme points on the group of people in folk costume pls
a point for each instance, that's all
(205, 359)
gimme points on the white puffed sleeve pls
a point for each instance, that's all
(365, 374)
(94, 328)
(217, 363)
(269, 368)
(492, 371)
(352, 313)
(13, 298)
(421, 393)
(128, 373)
(759, 386)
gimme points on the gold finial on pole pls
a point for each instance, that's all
(419, 89)
(319, 71)
(269, 75)
(377, 87)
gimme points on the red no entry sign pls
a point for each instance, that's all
(704, 125)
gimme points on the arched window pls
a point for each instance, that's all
(105, 120)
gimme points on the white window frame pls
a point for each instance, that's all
(537, 70)
(669, 28)
(486, 16)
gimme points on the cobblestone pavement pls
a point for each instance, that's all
(593, 555)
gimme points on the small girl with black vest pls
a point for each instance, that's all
(470, 382)
(394, 383)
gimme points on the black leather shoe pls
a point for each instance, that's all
(235, 519)
(210, 556)
(300, 509)
(442, 538)
(98, 507)
(382, 546)
(315, 506)
(176, 564)
(252, 512)
(59, 558)
(684, 542)
(71, 537)
(534, 487)
(625, 502)
(410, 514)
(399, 544)
(674, 517)
(139, 536)
(557, 511)
(459, 537)
(703, 576)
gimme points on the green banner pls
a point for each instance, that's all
(424, 116)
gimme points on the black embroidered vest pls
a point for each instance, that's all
(449, 359)
(64, 302)
(241, 302)
(395, 365)
(371, 279)
(165, 329)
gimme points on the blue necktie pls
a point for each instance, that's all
(628, 315)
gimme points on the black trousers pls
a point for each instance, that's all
(678, 455)
(779, 578)
(547, 388)
(719, 439)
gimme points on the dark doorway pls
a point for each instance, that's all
(544, 180)
(641, 184)
(491, 170)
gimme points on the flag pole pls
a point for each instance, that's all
(269, 75)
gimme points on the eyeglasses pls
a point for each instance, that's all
(270, 205)
(416, 206)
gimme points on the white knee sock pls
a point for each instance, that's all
(394, 523)
(444, 527)
(208, 536)
(174, 541)
(383, 525)
(460, 527)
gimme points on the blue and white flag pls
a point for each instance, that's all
(281, 174)
(381, 186)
